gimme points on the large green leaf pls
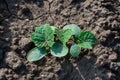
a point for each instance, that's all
(36, 54)
(75, 50)
(64, 35)
(76, 29)
(44, 35)
(59, 50)
(87, 39)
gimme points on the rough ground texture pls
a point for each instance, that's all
(18, 18)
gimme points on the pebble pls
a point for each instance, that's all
(16, 76)
(111, 76)
(113, 57)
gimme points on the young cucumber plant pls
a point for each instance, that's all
(51, 39)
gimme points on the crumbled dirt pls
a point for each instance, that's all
(19, 18)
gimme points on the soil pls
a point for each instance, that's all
(19, 18)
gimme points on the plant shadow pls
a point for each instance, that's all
(5, 34)
(80, 68)
(77, 69)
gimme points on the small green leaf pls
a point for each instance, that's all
(85, 45)
(44, 35)
(53, 28)
(87, 39)
(75, 50)
(76, 29)
(36, 54)
(64, 35)
(59, 50)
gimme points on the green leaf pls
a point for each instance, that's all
(53, 28)
(59, 50)
(64, 35)
(44, 35)
(86, 45)
(36, 54)
(76, 29)
(87, 39)
(75, 50)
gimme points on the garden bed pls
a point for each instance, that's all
(19, 18)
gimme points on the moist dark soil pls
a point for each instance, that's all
(19, 18)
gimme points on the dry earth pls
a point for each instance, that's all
(18, 19)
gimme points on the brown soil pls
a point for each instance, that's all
(18, 19)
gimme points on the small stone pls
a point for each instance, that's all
(7, 39)
(111, 76)
(27, 19)
(15, 76)
(113, 57)
(42, 75)
(1, 54)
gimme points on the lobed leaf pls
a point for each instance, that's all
(59, 50)
(64, 35)
(87, 40)
(44, 35)
(36, 54)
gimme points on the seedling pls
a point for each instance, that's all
(51, 39)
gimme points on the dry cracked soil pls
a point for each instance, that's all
(19, 18)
